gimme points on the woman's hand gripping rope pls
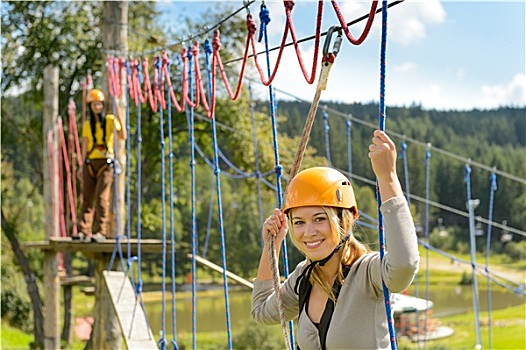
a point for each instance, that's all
(276, 226)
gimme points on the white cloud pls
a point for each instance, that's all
(405, 67)
(512, 93)
(409, 20)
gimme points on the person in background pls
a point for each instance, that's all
(337, 290)
(98, 137)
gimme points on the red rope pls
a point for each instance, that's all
(74, 147)
(131, 87)
(157, 83)
(117, 71)
(179, 107)
(345, 28)
(73, 131)
(187, 98)
(111, 76)
(217, 45)
(60, 178)
(148, 86)
(136, 83)
(69, 180)
(278, 60)
(288, 9)
(198, 78)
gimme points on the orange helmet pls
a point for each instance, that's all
(320, 186)
(95, 95)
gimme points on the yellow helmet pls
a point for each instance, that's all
(320, 186)
(95, 95)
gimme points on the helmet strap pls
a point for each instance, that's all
(308, 270)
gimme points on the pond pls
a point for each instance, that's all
(448, 300)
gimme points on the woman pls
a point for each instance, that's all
(337, 290)
(97, 173)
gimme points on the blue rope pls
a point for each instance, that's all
(128, 164)
(349, 147)
(190, 117)
(117, 248)
(490, 275)
(381, 122)
(242, 174)
(139, 194)
(217, 172)
(518, 289)
(129, 258)
(264, 16)
(162, 341)
(327, 144)
(406, 172)
(493, 188)
(426, 237)
(256, 156)
(210, 212)
(471, 208)
(138, 258)
(172, 212)
(408, 198)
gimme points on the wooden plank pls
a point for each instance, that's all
(66, 244)
(132, 318)
(219, 269)
(76, 280)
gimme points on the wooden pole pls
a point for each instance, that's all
(51, 278)
(115, 44)
(106, 330)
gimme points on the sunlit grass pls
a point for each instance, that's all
(13, 338)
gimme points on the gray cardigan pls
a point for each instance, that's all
(359, 320)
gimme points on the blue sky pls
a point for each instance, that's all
(440, 54)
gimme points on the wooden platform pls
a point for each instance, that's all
(132, 318)
(66, 244)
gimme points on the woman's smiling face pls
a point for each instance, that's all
(312, 233)
(96, 107)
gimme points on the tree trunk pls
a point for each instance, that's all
(9, 229)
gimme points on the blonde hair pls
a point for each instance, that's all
(350, 251)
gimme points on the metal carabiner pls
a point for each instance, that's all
(246, 5)
(337, 43)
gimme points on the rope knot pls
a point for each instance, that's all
(165, 59)
(264, 15)
(208, 47)
(217, 171)
(157, 62)
(278, 169)
(467, 172)
(289, 5)
(139, 286)
(251, 25)
(216, 41)
(195, 49)
(162, 343)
